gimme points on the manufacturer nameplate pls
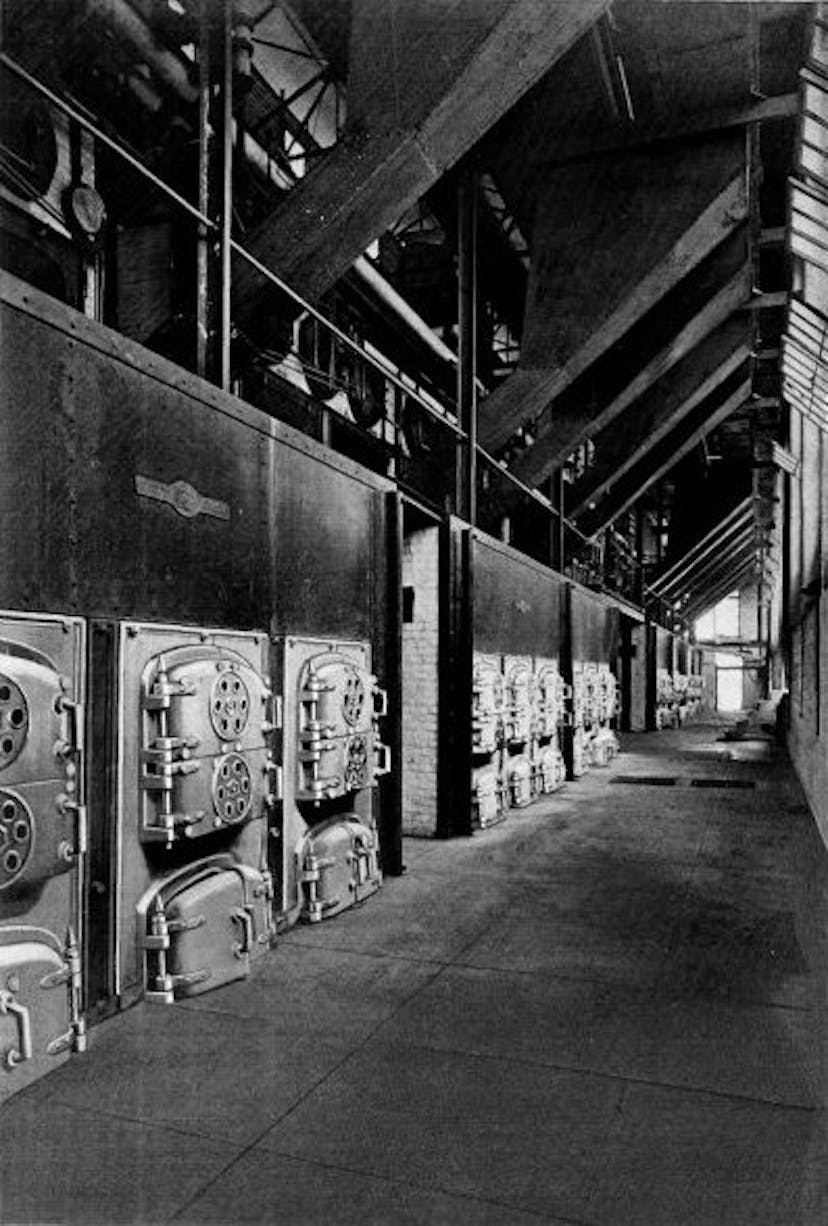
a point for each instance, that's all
(182, 497)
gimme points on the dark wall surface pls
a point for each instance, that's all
(517, 603)
(131, 489)
(664, 648)
(596, 628)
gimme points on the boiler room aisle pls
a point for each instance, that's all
(605, 1010)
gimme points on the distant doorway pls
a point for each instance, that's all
(730, 682)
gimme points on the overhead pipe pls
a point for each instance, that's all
(174, 72)
(373, 278)
(170, 68)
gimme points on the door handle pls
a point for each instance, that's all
(15, 1056)
(243, 917)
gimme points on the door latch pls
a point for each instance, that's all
(11, 1007)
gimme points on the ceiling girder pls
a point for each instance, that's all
(742, 544)
(607, 247)
(776, 107)
(709, 541)
(661, 459)
(745, 535)
(729, 582)
(664, 405)
(410, 117)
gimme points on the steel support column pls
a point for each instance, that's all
(466, 466)
(215, 190)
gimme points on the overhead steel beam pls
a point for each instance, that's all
(732, 580)
(734, 583)
(425, 83)
(708, 540)
(746, 535)
(776, 107)
(606, 248)
(718, 585)
(665, 456)
(739, 548)
(663, 406)
(739, 536)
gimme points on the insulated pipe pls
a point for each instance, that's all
(174, 73)
(384, 290)
(168, 67)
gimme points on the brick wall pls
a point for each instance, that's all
(808, 611)
(419, 683)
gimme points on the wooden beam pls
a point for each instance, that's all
(662, 458)
(607, 247)
(652, 417)
(453, 72)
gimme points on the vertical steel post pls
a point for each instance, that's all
(215, 190)
(556, 497)
(466, 464)
(391, 785)
(639, 553)
(456, 669)
(651, 666)
(566, 667)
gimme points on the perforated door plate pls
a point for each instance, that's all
(16, 836)
(14, 720)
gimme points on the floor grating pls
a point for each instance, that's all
(663, 781)
(666, 781)
(722, 783)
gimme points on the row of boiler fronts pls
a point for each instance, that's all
(594, 709)
(242, 806)
(519, 706)
(677, 697)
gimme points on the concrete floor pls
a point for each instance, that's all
(610, 1009)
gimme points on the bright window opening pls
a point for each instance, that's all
(722, 621)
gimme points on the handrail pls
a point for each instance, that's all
(444, 419)
(100, 135)
(195, 212)
(85, 122)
